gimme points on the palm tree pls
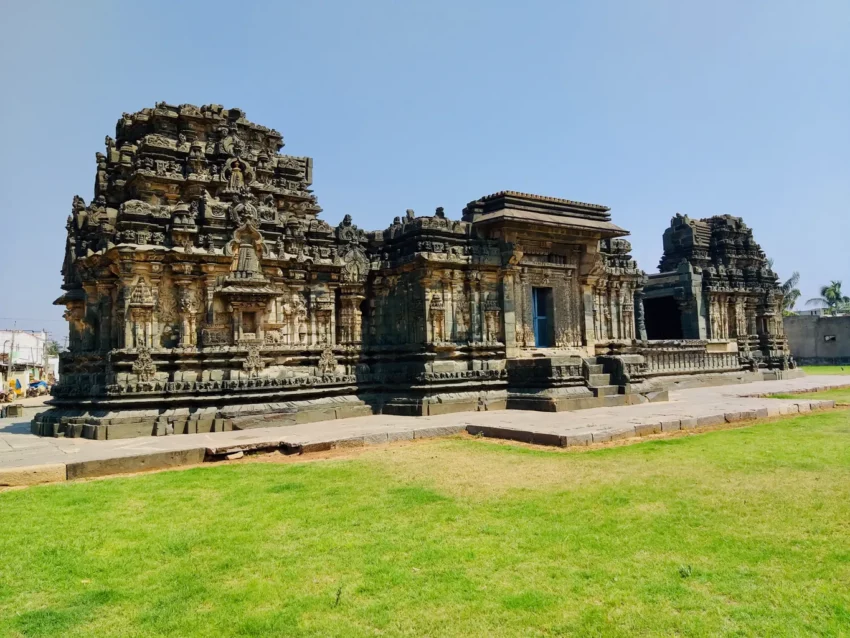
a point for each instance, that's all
(790, 293)
(831, 297)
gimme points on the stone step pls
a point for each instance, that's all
(606, 390)
(615, 400)
(596, 380)
(595, 368)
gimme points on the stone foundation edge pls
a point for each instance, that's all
(130, 423)
(95, 468)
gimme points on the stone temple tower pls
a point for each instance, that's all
(204, 292)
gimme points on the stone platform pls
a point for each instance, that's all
(28, 459)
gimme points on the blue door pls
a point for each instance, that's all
(541, 300)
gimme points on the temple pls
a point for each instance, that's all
(204, 293)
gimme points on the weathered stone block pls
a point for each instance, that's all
(689, 423)
(579, 439)
(647, 428)
(314, 415)
(14, 410)
(205, 425)
(656, 397)
(625, 433)
(450, 407)
(137, 463)
(543, 438)
(439, 430)
(129, 430)
(319, 446)
(671, 426)
(711, 420)
(357, 441)
(350, 411)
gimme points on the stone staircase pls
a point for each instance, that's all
(599, 382)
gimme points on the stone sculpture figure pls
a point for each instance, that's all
(237, 181)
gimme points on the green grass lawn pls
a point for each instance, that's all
(826, 369)
(739, 532)
(841, 396)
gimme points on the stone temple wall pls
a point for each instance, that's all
(719, 281)
(204, 292)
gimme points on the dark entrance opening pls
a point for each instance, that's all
(541, 300)
(663, 318)
(249, 322)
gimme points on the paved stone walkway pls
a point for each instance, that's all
(27, 459)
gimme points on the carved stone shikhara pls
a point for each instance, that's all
(203, 293)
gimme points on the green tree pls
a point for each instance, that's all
(831, 298)
(790, 293)
(52, 348)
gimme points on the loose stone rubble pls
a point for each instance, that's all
(204, 293)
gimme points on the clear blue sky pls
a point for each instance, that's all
(650, 107)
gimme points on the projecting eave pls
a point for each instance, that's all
(75, 294)
(605, 229)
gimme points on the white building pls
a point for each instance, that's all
(28, 357)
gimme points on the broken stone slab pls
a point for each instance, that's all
(523, 436)
(255, 446)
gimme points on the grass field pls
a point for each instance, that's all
(826, 369)
(738, 532)
(841, 396)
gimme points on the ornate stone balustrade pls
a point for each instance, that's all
(663, 358)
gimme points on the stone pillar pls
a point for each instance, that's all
(474, 303)
(509, 314)
(104, 292)
(587, 298)
(209, 293)
(448, 307)
(459, 329)
(640, 316)
(520, 294)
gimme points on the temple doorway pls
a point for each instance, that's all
(541, 302)
(663, 318)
